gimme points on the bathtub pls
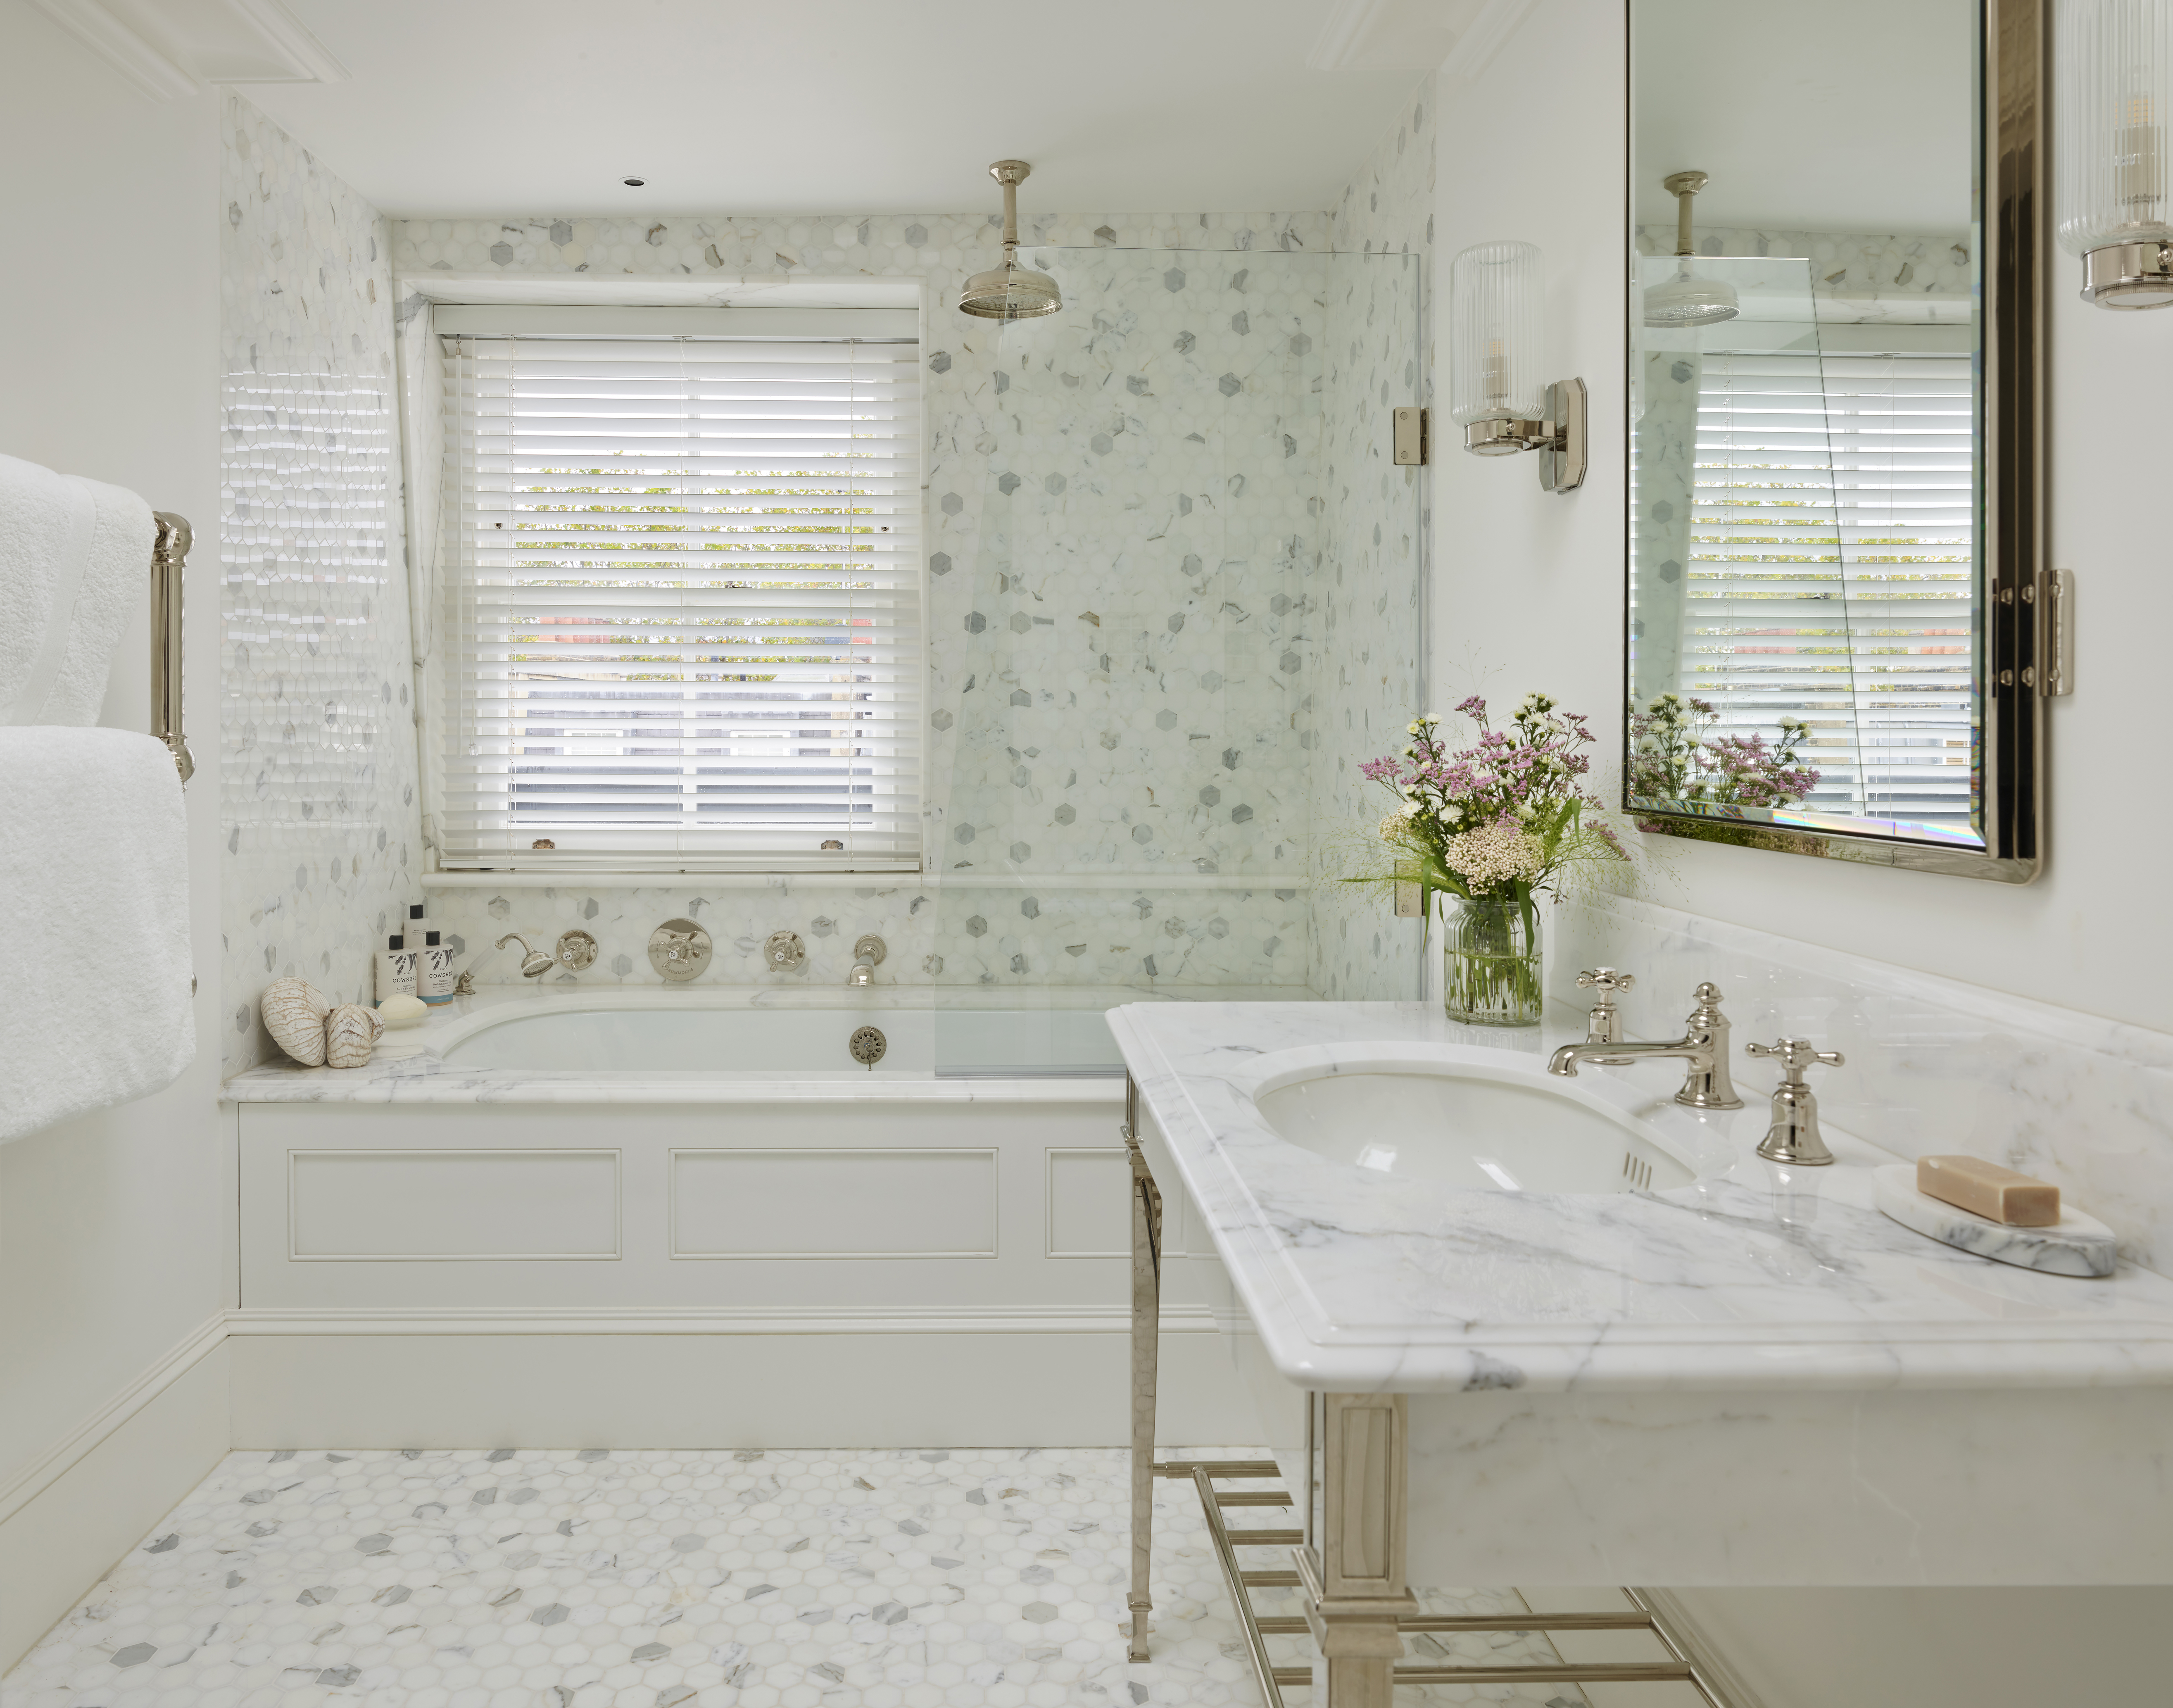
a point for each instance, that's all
(711, 1033)
(692, 1217)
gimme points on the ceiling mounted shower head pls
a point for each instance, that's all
(1686, 299)
(1010, 292)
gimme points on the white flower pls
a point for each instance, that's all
(1492, 856)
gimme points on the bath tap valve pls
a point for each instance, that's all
(1605, 1026)
(1794, 1136)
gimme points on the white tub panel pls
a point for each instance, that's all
(861, 1202)
(404, 1206)
(791, 1236)
(1090, 1206)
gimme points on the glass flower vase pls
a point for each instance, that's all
(1490, 961)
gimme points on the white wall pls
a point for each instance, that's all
(1528, 594)
(112, 1227)
(1530, 585)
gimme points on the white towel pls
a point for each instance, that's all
(75, 564)
(94, 1003)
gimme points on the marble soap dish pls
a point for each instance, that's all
(2075, 1245)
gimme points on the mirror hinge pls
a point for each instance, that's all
(2052, 668)
(2054, 596)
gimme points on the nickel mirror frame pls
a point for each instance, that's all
(2017, 593)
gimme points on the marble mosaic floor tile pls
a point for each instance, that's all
(605, 1579)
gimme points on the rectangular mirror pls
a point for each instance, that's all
(1836, 628)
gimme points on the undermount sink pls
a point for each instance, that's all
(1466, 1125)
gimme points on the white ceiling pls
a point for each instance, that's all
(1841, 115)
(525, 107)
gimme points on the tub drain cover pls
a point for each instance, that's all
(867, 1046)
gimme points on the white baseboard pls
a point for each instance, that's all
(1686, 1635)
(96, 1495)
(34, 1479)
(699, 1381)
(806, 1378)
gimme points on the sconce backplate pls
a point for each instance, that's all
(1562, 456)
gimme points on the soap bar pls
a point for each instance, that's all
(1998, 1194)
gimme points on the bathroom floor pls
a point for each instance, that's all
(830, 1579)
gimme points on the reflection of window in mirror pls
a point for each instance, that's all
(1803, 644)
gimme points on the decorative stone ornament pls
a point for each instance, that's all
(294, 1011)
(350, 1034)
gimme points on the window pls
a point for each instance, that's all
(1832, 571)
(680, 562)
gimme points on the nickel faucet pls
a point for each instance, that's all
(1703, 1045)
(867, 954)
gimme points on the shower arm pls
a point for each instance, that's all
(1682, 186)
(1010, 174)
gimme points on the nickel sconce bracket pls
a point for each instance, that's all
(1560, 438)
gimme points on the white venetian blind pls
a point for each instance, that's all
(1832, 569)
(683, 590)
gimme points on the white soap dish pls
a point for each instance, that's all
(2075, 1245)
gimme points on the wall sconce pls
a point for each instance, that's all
(1494, 360)
(2114, 60)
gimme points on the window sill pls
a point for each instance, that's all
(591, 878)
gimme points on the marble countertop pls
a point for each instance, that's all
(1751, 1277)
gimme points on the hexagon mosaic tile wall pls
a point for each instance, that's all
(1172, 582)
(1171, 585)
(600, 1579)
(318, 778)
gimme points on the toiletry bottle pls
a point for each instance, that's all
(396, 969)
(414, 930)
(434, 972)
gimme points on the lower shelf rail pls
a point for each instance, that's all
(1204, 1473)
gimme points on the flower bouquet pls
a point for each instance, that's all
(1490, 825)
(1674, 756)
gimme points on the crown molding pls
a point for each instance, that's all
(1387, 35)
(119, 46)
(1484, 38)
(170, 49)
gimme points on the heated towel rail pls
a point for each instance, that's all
(169, 552)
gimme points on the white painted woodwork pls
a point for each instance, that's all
(864, 1203)
(393, 1206)
(814, 1206)
(1089, 1206)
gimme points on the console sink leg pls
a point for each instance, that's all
(1147, 1343)
(1353, 1573)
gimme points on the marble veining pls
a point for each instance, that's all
(600, 1578)
(1935, 1064)
(1751, 1278)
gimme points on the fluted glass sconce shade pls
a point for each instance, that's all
(1497, 388)
(1495, 295)
(2114, 62)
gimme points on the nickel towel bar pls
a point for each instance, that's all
(169, 552)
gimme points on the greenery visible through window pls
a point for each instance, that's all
(685, 598)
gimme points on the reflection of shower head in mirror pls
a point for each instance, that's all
(1685, 300)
